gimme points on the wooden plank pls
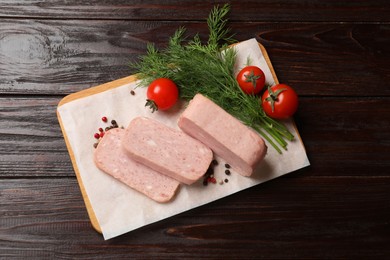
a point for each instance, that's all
(31, 143)
(346, 136)
(58, 57)
(343, 136)
(307, 217)
(263, 10)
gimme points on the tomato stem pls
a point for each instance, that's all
(273, 96)
(152, 105)
(252, 78)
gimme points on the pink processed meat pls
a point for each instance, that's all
(229, 138)
(110, 157)
(167, 150)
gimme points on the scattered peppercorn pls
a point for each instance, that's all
(132, 92)
(227, 166)
(214, 162)
(212, 179)
(227, 172)
(102, 132)
(209, 174)
(221, 182)
(226, 180)
(95, 145)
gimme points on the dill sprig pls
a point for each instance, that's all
(208, 69)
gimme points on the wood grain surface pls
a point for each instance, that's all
(61, 56)
(335, 53)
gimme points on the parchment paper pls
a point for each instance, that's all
(118, 208)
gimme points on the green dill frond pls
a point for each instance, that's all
(216, 23)
(177, 38)
(209, 69)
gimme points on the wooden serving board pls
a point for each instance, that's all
(99, 89)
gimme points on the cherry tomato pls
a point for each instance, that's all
(162, 94)
(251, 80)
(280, 101)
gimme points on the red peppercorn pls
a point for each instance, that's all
(212, 179)
(101, 130)
(96, 135)
(104, 119)
(101, 134)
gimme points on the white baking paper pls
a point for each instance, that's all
(118, 208)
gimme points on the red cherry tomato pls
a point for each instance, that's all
(162, 94)
(251, 80)
(280, 101)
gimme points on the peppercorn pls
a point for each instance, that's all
(101, 129)
(113, 122)
(132, 92)
(227, 172)
(96, 135)
(212, 179)
(226, 180)
(214, 162)
(104, 119)
(227, 166)
(95, 145)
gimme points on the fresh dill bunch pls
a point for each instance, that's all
(208, 69)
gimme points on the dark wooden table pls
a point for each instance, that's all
(335, 53)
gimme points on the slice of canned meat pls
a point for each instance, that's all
(110, 157)
(167, 150)
(236, 143)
